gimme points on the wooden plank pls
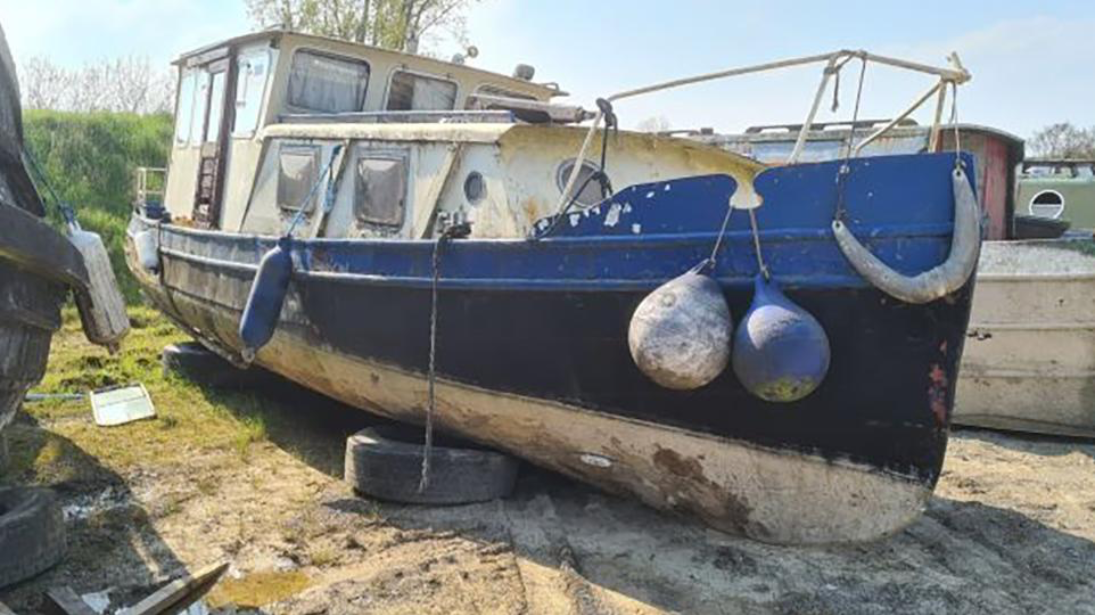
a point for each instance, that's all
(64, 600)
(180, 593)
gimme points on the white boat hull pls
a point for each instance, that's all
(1029, 360)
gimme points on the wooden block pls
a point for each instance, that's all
(64, 601)
(180, 593)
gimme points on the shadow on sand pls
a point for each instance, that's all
(111, 540)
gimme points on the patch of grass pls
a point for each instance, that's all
(323, 556)
(191, 421)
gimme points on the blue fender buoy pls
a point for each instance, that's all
(781, 352)
(263, 309)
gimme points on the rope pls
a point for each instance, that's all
(958, 164)
(756, 245)
(431, 376)
(710, 261)
(67, 211)
(453, 232)
(845, 169)
(311, 192)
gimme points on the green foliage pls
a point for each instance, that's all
(89, 160)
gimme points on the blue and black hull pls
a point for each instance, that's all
(532, 351)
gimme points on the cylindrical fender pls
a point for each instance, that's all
(936, 282)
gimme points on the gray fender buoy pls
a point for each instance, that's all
(680, 333)
(781, 352)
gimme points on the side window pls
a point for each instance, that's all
(414, 92)
(380, 189)
(298, 170)
(326, 84)
(184, 113)
(253, 71)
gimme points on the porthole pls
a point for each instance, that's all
(1047, 204)
(591, 194)
(475, 187)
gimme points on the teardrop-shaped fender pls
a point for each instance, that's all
(264, 302)
(938, 281)
(781, 352)
(679, 335)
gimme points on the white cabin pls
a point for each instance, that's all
(377, 143)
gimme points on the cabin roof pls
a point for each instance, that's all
(278, 34)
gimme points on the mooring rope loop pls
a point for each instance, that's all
(457, 231)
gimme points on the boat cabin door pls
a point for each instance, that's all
(214, 146)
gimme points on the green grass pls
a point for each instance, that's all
(66, 445)
(89, 159)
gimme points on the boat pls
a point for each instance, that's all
(1062, 190)
(444, 245)
(39, 266)
(1029, 360)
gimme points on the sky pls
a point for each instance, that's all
(1031, 61)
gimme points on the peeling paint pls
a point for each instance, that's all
(636, 228)
(937, 393)
(613, 216)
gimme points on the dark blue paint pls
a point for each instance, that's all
(781, 352)
(900, 206)
(264, 302)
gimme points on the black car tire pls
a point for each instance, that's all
(195, 362)
(32, 533)
(385, 462)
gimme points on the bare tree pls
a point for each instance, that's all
(393, 24)
(1063, 140)
(657, 123)
(45, 85)
(127, 84)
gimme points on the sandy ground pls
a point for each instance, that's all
(1011, 530)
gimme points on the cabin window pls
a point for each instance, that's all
(253, 70)
(216, 107)
(298, 173)
(184, 112)
(591, 194)
(201, 104)
(417, 92)
(491, 90)
(380, 189)
(1047, 204)
(326, 84)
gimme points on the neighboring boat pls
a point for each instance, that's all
(1030, 359)
(1060, 190)
(333, 215)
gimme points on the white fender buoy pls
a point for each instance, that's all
(937, 282)
(147, 246)
(680, 333)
